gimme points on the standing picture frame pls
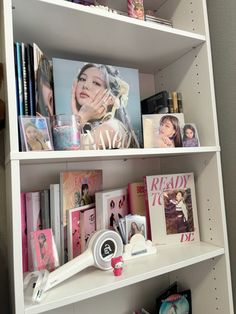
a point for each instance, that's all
(35, 133)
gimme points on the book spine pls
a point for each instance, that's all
(25, 79)
(170, 103)
(136, 198)
(19, 79)
(33, 220)
(31, 80)
(175, 102)
(149, 233)
(56, 223)
(101, 212)
(45, 209)
(180, 102)
(24, 233)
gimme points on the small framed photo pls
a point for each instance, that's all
(190, 135)
(35, 133)
(135, 224)
(163, 130)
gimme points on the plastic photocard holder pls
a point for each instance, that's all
(35, 133)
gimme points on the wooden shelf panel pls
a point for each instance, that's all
(92, 282)
(128, 42)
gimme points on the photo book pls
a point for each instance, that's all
(111, 205)
(43, 82)
(74, 239)
(163, 130)
(105, 97)
(77, 189)
(172, 207)
(136, 198)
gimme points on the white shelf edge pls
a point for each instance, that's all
(88, 155)
(122, 18)
(92, 282)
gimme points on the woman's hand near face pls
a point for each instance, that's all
(95, 109)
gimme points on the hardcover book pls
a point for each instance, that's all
(136, 198)
(33, 219)
(74, 230)
(111, 205)
(87, 226)
(172, 208)
(44, 250)
(24, 233)
(106, 99)
(55, 216)
(25, 78)
(163, 130)
(77, 188)
(45, 209)
(43, 83)
(19, 78)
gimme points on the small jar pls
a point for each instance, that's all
(65, 132)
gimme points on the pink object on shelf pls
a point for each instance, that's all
(117, 264)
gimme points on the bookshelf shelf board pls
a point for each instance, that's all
(116, 154)
(128, 41)
(92, 282)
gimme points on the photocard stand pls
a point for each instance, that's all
(137, 247)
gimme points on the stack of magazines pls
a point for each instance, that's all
(155, 19)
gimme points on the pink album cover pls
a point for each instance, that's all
(73, 235)
(87, 226)
(77, 189)
(44, 250)
(24, 234)
(74, 230)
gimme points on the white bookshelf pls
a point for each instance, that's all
(177, 58)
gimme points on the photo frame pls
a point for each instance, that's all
(163, 130)
(35, 133)
(190, 135)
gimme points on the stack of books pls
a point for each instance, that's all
(155, 19)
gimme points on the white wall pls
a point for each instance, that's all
(222, 21)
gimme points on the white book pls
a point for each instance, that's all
(33, 221)
(111, 205)
(56, 223)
